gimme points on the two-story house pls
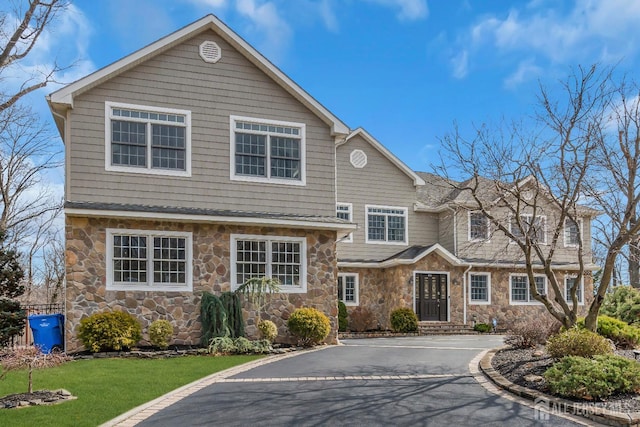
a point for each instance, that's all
(422, 243)
(194, 164)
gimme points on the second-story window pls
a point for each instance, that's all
(478, 226)
(535, 227)
(267, 151)
(386, 225)
(571, 232)
(150, 140)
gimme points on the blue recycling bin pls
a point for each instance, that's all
(47, 331)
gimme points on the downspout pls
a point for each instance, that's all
(464, 294)
(64, 282)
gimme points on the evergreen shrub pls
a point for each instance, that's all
(577, 342)
(596, 378)
(404, 320)
(160, 333)
(110, 330)
(309, 326)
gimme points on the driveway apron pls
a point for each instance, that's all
(413, 381)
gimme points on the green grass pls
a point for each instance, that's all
(106, 388)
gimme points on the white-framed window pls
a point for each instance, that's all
(280, 257)
(345, 211)
(519, 292)
(150, 140)
(536, 227)
(572, 232)
(569, 281)
(148, 260)
(479, 288)
(267, 151)
(386, 224)
(348, 289)
(478, 226)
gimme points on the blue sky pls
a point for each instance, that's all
(405, 70)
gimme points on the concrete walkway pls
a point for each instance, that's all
(384, 381)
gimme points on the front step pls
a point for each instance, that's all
(445, 328)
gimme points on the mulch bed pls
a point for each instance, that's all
(39, 397)
(516, 364)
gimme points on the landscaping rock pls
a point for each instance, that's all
(533, 378)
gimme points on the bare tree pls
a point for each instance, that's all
(54, 268)
(580, 158)
(27, 154)
(41, 240)
(21, 27)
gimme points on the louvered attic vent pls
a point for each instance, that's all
(358, 159)
(210, 52)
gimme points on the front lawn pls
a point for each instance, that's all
(106, 388)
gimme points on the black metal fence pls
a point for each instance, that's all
(27, 338)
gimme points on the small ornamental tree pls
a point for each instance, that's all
(12, 317)
(257, 290)
(30, 358)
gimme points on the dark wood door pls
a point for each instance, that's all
(431, 297)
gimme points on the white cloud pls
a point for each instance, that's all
(265, 19)
(328, 17)
(526, 70)
(460, 64)
(588, 31)
(408, 10)
(214, 4)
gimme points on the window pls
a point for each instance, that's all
(569, 281)
(386, 225)
(148, 260)
(345, 211)
(480, 288)
(571, 232)
(348, 288)
(519, 288)
(536, 227)
(282, 258)
(267, 151)
(149, 140)
(478, 226)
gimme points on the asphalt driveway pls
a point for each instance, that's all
(374, 382)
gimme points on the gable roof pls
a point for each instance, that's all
(62, 99)
(417, 180)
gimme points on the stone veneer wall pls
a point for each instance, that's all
(506, 313)
(383, 290)
(86, 278)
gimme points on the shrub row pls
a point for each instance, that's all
(119, 330)
(241, 345)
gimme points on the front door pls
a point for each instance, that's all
(431, 296)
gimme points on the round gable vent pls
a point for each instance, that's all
(358, 159)
(210, 52)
